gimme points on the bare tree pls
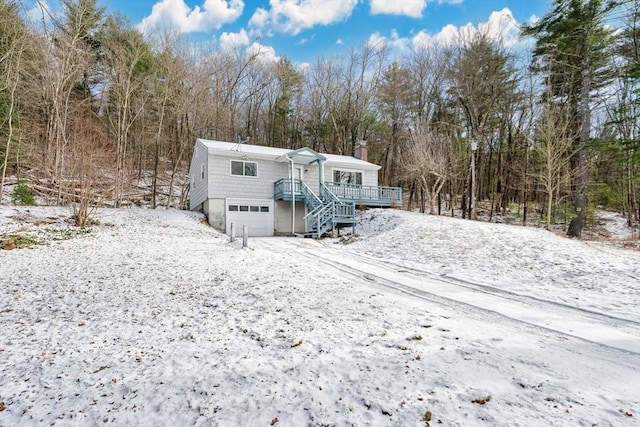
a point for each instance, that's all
(340, 98)
(428, 160)
(482, 81)
(552, 144)
(127, 65)
(13, 42)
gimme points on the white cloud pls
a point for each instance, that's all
(377, 39)
(175, 13)
(339, 41)
(231, 41)
(293, 16)
(266, 53)
(259, 19)
(411, 8)
(240, 42)
(396, 43)
(500, 27)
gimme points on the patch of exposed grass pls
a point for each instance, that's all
(18, 241)
(42, 237)
(66, 233)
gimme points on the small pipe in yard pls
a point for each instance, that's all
(245, 236)
(233, 232)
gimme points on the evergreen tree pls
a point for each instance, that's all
(573, 51)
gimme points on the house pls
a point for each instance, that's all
(283, 192)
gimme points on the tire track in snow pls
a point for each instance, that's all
(482, 287)
(594, 327)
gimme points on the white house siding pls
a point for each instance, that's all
(223, 185)
(214, 209)
(282, 218)
(310, 177)
(211, 193)
(199, 187)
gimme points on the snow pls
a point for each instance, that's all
(153, 318)
(615, 224)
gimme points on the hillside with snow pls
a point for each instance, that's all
(153, 318)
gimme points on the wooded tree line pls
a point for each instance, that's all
(94, 112)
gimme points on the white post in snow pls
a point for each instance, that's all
(245, 236)
(233, 231)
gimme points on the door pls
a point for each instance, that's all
(255, 214)
(297, 175)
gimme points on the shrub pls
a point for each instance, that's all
(23, 195)
(601, 194)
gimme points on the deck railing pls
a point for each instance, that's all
(367, 194)
(301, 192)
(335, 204)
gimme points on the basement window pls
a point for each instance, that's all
(244, 168)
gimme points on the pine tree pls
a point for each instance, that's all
(573, 51)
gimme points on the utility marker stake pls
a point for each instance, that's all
(233, 232)
(245, 236)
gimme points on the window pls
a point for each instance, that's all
(244, 208)
(233, 208)
(244, 168)
(347, 177)
(254, 208)
(264, 208)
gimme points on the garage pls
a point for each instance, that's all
(256, 214)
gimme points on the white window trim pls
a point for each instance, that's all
(243, 162)
(361, 172)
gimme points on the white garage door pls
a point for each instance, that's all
(256, 214)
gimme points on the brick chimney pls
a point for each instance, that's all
(360, 150)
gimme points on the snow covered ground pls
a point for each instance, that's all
(153, 318)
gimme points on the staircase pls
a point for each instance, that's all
(326, 211)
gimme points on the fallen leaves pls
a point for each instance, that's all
(482, 400)
(8, 245)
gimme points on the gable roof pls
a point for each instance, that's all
(270, 153)
(302, 155)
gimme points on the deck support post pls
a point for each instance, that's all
(293, 199)
(320, 173)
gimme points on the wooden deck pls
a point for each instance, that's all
(367, 195)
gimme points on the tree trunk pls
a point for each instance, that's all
(577, 223)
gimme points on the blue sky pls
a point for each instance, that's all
(304, 30)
